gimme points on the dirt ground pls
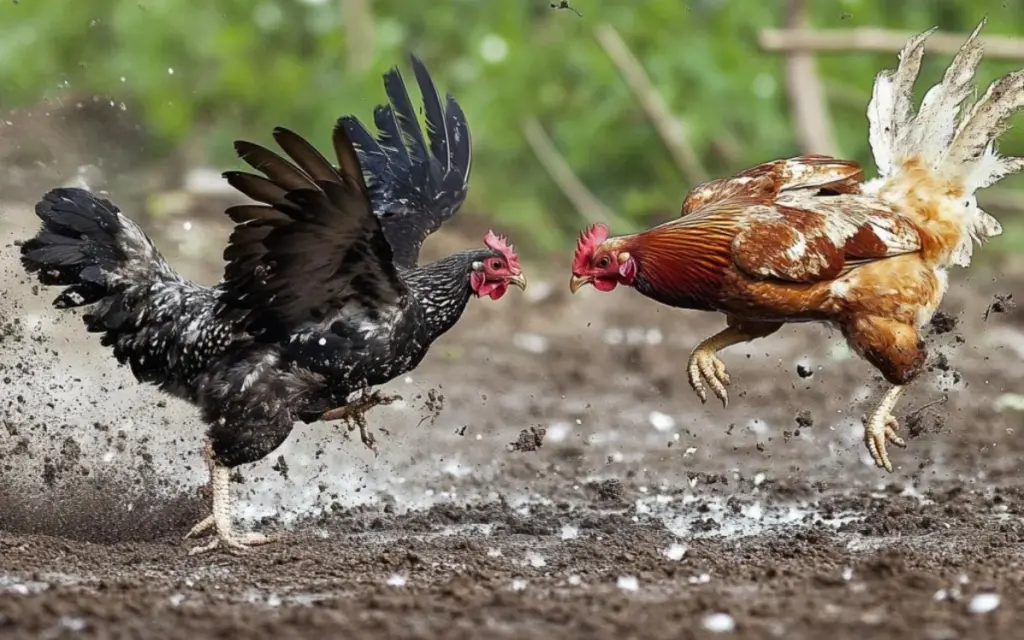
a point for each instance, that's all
(551, 475)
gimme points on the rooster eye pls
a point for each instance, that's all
(603, 262)
(496, 264)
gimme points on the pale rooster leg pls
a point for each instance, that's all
(881, 428)
(354, 415)
(220, 521)
(705, 365)
(207, 522)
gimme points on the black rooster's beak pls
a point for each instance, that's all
(518, 280)
(578, 282)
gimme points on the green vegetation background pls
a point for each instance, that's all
(207, 72)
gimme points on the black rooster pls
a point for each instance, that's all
(321, 298)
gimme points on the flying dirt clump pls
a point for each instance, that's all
(281, 466)
(926, 419)
(529, 440)
(1002, 303)
(943, 323)
(608, 491)
(433, 404)
(804, 420)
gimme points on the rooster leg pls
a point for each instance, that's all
(705, 365)
(881, 428)
(354, 415)
(220, 520)
(896, 350)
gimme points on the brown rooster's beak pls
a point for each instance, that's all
(518, 280)
(578, 282)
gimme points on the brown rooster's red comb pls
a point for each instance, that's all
(501, 245)
(590, 239)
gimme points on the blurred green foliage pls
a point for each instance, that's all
(236, 68)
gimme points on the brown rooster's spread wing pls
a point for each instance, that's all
(766, 181)
(805, 237)
(313, 249)
(803, 219)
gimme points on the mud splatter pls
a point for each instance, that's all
(529, 440)
(1001, 303)
(943, 323)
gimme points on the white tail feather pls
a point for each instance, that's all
(956, 146)
(936, 121)
(891, 109)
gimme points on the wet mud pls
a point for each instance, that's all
(549, 474)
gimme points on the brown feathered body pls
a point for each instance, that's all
(808, 239)
(795, 241)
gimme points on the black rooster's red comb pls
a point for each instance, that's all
(501, 245)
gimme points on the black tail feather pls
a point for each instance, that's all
(76, 245)
(390, 136)
(157, 323)
(461, 149)
(433, 113)
(405, 115)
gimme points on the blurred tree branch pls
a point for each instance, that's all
(586, 203)
(669, 128)
(869, 39)
(807, 100)
(357, 16)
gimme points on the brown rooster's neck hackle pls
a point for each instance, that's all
(682, 263)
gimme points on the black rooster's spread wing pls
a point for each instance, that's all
(415, 187)
(314, 250)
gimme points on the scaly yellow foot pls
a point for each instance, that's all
(220, 521)
(881, 428)
(706, 365)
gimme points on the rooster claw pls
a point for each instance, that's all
(707, 366)
(219, 522)
(877, 433)
(233, 541)
(354, 415)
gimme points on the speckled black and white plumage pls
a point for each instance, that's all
(321, 296)
(160, 325)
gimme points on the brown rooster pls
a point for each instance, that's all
(808, 240)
